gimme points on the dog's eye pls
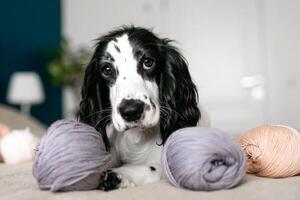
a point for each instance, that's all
(148, 63)
(107, 71)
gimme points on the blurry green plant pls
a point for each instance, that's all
(66, 68)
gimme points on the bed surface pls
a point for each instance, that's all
(17, 182)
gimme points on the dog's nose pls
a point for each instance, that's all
(131, 110)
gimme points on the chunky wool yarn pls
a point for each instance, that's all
(71, 156)
(199, 158)
(272, 151)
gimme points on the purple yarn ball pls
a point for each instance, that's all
(71, 156)
(199, 158)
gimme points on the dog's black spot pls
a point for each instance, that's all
(108, 57)
(117, 72)
(152, 168)
(153, 105)
(109, 181)
(124, 78)
(145, 97)
(147, 107)
(117, 48)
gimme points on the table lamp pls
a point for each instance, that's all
(25, 89)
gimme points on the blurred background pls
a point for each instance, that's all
(244, 55)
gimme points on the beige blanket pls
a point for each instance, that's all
(17, 183)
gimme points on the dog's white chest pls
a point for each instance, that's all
(137, 147)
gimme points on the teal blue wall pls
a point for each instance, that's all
(28, 29)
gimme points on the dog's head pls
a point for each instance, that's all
(137, 80)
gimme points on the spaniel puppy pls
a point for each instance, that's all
(137, 90)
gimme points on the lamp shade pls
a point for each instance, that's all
(25, 88)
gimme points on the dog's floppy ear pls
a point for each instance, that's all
(95, 104)
(178, 94)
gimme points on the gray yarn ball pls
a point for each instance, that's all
(71, 156)
(199, 158)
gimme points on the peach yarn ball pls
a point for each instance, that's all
(272, 151)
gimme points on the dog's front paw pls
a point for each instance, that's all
(109, 181)
(112, 180)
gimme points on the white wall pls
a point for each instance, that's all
(84, 21)
(281, 23)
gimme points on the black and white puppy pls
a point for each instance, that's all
(137, 90)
